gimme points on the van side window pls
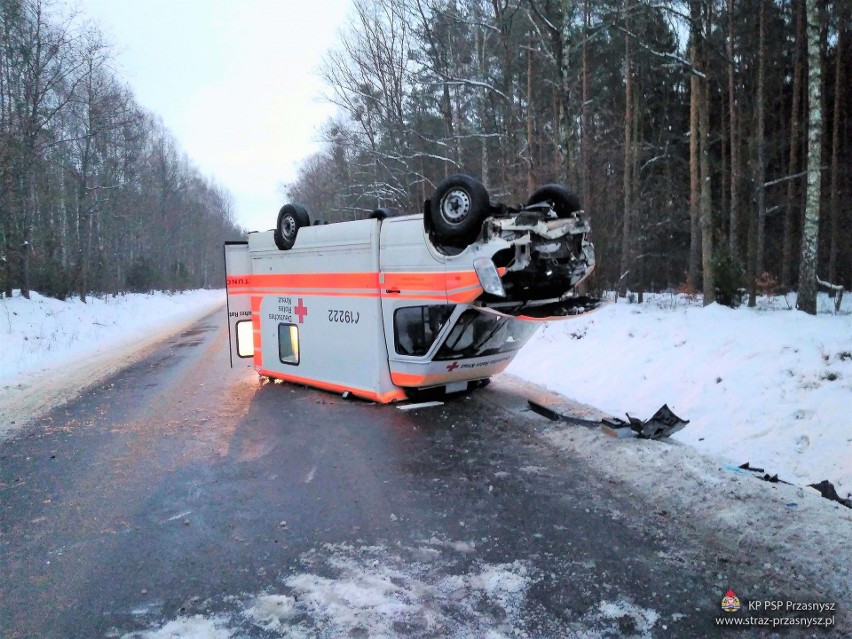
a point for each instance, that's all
(245, 338)
(288, 344)
(416, 327)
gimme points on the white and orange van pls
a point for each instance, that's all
(393, 304)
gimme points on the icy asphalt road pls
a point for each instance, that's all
(180, 496)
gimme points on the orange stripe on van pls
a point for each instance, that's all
(396, 394)
(422, 280)
(430, 280)
(301, 292)
(466, 295)
(407, 379)
(315, 280)
(457, 286)
(410, 379)
(461, 279)
(374, 294)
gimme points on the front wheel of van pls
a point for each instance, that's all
(457, 209)
(291, 218)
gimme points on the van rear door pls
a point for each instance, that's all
(238, 288)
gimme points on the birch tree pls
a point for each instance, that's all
(806, 299)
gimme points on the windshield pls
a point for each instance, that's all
(478, 334)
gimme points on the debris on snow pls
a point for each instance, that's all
(827, 490)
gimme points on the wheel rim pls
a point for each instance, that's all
(455, 206)
(288, 227)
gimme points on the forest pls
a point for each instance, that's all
(707, 139)
(95, 194)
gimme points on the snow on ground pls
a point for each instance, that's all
(770, 386)
(51, 347)
(195, 627)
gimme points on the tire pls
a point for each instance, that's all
(457, 209)
(563, 201)
(291, 218)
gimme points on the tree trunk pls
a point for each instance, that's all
(724, 141)
(791, 207)
(705, 203)
(447, 112)
(627, 241)
(806, 300)
(530, 118)
(6, 255)
(760, 143)
(483, 113)
(636, 244)
(585, 114)
(734, 220)
(694, 264)
(28, 220)
(835, 162)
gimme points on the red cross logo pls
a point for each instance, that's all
(452, 367)
(301, 310)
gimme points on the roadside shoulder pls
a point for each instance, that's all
(807, 537)
(35, 393)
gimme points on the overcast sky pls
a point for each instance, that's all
(234, 80)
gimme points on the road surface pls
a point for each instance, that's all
(182, 496)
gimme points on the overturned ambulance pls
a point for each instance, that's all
(394, 304)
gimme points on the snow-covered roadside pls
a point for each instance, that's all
(51, 348)
(769, 386)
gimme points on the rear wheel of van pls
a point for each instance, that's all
(457, 209)
(291, 218)
(563, 201)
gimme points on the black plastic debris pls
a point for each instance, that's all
(751, 468)
(827, 490)
(825, 487)
(552, 415)
(663, 423)
(544, 411)
(772, 479)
